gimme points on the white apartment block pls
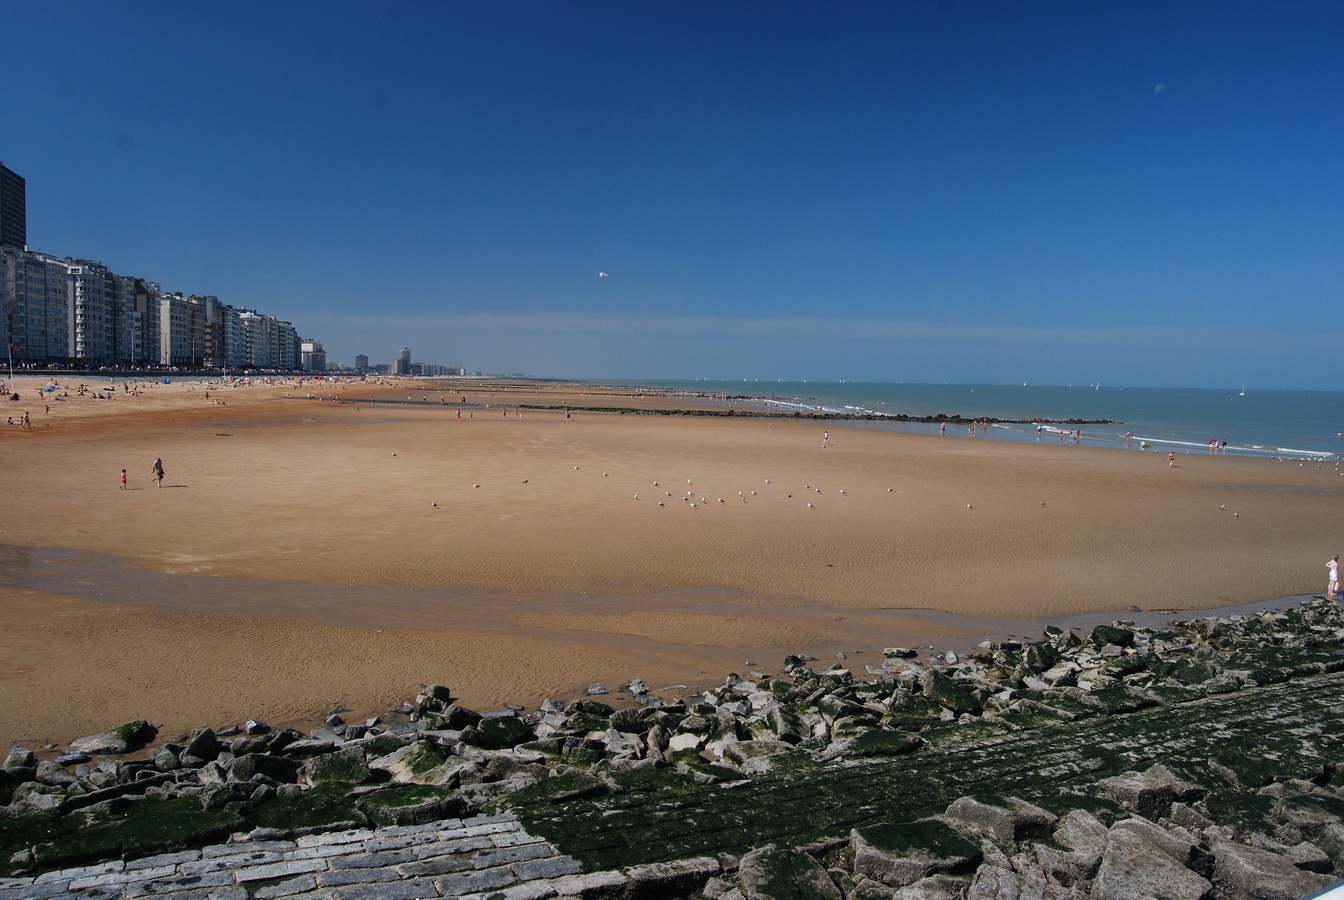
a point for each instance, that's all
(92, 323)
(34, 300)
(287, 345)
(68, 311)
(261, 337)
(174, 330)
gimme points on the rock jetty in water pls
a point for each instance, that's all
(1199, 760)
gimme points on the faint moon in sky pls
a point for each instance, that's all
(1159, 89)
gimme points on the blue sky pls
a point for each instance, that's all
(993, 192)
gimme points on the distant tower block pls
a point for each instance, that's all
(13, 209)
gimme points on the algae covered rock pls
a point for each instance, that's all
(129, 737)
(1250, 873)
(277, 768)
(902, 853)
(412, 805)
(875, 743)
(346, 765)
(1140, 792)
(768, 874)
(497, 733)
(949, 694)
(1131, 867)
(1004, 821)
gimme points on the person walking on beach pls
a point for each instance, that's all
(157, 468)
(1171, 460)
(1332, 590)
(123, 479)
(825, 439)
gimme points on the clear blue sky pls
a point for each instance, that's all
(1144, 193)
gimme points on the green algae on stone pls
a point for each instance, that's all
(413, 804)
(785, 875)
(427, 755)
(582, 723)
(382, 745)
(135, 734)
(930, 839)
(562, 789)
(325, 804)
(884, 743)
(346, 765)
(149, 826)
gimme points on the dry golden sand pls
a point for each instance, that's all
(305, 553)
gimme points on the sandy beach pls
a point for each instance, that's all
(320, 544)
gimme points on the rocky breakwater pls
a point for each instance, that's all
(1198, 760)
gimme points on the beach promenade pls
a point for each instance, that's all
(322, 544)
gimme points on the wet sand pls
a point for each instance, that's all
(304, 553)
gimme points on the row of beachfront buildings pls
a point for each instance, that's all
(76, 312)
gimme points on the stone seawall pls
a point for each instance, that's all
(1195, 761)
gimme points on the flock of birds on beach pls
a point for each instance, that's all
(695, 500)
(690, 499)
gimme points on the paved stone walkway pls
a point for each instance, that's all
(485, 857)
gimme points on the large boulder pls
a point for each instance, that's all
(1174, 841)
(497, 733)
(901, 854)
(346, 766)
(1132, 868)
(1000, 883)
(128, 738)
(1081, 831)
(1004, 821)
(405, 807)
(436, 699)
(949, 694)
(739, 752)
(1250, 873)
(1141, 793)
(277, 768)
(768, 874)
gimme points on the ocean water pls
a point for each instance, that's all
(1286, 424)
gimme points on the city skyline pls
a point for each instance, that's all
(970, 192)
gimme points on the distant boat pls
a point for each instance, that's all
(1243, 391)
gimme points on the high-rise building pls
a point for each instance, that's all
(402, 364)
(34, 305)
(13, 209)
(361, 362)
(92, 326)
(312, 357)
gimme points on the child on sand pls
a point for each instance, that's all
(123, 479)
(157, 468)
(1332, 590)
